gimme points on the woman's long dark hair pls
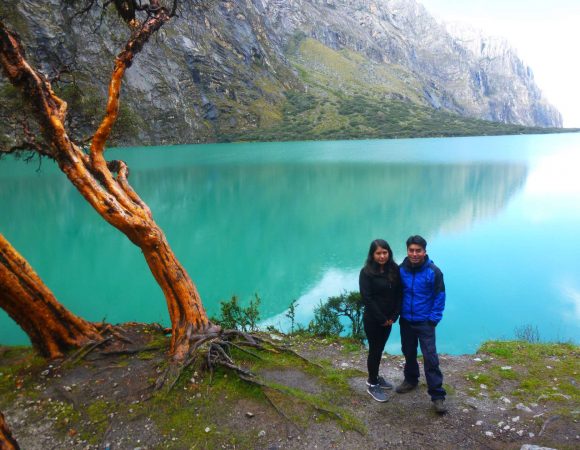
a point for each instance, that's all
(391, 267)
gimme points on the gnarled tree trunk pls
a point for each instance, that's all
(104, 184)
(7, 442)
(51, 327)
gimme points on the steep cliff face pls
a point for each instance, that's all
(229, 69)
(206, 73)
(503, 81)
(458, 70)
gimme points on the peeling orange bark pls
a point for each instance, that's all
(105, 184)
(51, 327)
(7, 442)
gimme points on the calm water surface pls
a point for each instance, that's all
(294, 221)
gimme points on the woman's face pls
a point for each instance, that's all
(381, 256)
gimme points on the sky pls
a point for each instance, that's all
(545, 34)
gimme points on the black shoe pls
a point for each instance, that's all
(405, 387)
(384, 384)
(439, 405)
(377, 393)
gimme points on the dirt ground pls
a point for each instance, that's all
(52, 407)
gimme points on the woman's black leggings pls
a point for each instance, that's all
(377, 336)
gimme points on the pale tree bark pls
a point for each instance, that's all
(52, 329)
(7, 441)
(104, 184)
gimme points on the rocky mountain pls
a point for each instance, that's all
(469, 74)
(304, 68)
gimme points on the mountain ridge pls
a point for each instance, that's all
(231, 72)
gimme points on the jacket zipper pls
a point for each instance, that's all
(412, 295)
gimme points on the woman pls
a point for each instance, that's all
(381, 292)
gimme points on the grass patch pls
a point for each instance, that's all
(96, 414)
(351, 346)
(539, 373)
(480, 378)
(19, 366)
(65, 414)
(505, 374)
(521, 352)
(451, 391)
(186, 412)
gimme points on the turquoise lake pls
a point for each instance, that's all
(294, 221)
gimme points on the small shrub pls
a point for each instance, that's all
(251, 314)
(349, 305)
(327, 316)
(528, 333)
(326, 321)
(291, 314)
(233, 316)
(230, 313)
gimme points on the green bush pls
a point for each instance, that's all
(349, 305)
(327, 316)
(234, 316)
(326, 322)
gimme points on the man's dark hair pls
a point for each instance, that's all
(419, 240)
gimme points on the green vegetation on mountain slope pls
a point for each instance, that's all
(348, 96)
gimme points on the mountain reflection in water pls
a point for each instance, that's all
(286, 228)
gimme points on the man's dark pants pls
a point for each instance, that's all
(422, 333)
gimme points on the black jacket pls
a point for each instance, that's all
(381, 297)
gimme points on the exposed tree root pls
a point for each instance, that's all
(132, 351)
(114, 330)
(214, 349)
(85, 350)
(7, 441)
(279, 410)
(110, 334)
(211, 350)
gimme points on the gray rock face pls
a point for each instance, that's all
(461, 70)
(226, 69)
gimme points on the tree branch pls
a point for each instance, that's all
(122, 62)
(122, 170)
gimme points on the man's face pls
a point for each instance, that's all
(416, 254)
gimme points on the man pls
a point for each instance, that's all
(421, 311)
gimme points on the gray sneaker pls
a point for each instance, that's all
(405, 387)
(439, 405)
(384, 384)
(377, 393)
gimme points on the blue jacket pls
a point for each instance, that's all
(423, 292)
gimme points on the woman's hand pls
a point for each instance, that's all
(388, 323)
